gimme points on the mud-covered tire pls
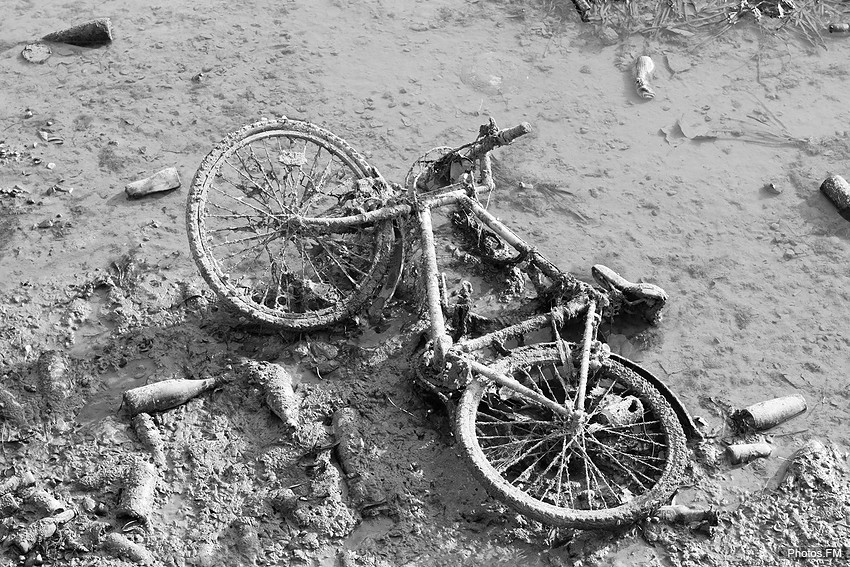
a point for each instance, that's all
(659, 435)
(280, 276)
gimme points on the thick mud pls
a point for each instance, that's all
(100, 294)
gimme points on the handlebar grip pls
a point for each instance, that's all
(508, 135)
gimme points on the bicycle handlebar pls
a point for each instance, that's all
(508, 135)
(501, 138)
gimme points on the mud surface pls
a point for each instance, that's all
(99, 294)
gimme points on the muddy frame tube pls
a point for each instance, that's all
(444, 349)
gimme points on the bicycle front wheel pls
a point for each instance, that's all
(612, 465)
(266, 268)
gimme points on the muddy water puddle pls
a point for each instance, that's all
(106, 401)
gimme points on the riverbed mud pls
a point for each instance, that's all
(99, 294)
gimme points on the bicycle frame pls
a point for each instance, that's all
(445, 350)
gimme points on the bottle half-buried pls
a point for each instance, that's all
(644, 68)
(164, 395)
(837, 190)
(839, 28)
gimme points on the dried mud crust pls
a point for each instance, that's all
(501, 489)
(379, 239)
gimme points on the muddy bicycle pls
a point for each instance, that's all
(293, 228)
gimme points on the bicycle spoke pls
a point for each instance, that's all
(279, 191)
(266, 189)
(629, 456)
(245, 239)
(247, 178)
(594, 470)
(247, 204)
(627, 470)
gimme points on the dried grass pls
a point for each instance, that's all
(789, 19)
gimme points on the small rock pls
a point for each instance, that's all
(677, 63)
(609, 36)
(772, 188)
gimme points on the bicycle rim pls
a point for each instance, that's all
(613, 468)
(265, 268)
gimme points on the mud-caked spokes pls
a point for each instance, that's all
(244, 207)
(608, 461)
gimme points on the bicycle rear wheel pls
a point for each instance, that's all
(612, 467)
(270, 270)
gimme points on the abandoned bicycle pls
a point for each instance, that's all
(293, 228)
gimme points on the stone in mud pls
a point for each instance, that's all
(11, 411)
(54, 382)
(324, 511)
(122, 547)
(40, 530)
(164, 180)
(33, 534)
(9, 505)
(101, 475)
(15, 483)
(816, 466)
(36, 52)
(284, 501)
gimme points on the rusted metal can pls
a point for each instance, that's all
(770, 413)
(137, 497)
(747, 452)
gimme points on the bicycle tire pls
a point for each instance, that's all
(662, 433)
(295, 280)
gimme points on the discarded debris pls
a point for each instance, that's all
(15, 483)
(772, 188)
(44, 502)
(164, 180)
(839, 28)
(36, 52)
(644, 68)
(346, 427)
(747, 452)
(11, 411)
(816, 466)
(837, 190)
(679, 514)
(770, 413)
(9, 505)
(277, 383)
(149, 436)
(89, 34)
(40, 530)
(54, 381)
(161, 396)
(119, 545)
(137, 494)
